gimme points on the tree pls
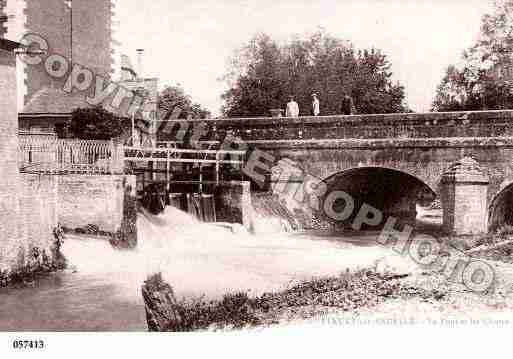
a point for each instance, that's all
(263, 74)
(484, 80)
(96, 124)
(174, 97)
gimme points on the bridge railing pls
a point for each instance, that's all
(68, 155)
(164, 161)
(179, 155)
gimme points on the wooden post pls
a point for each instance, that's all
(143, 178)
(161, 306)
(201, 178)
(113, 159)
(168, 177)
(242, 159)
(217, 168)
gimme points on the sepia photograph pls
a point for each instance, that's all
(269, 169)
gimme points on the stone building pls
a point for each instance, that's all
(67, 26)
(28, 203)
(32, 203)
(8, 131)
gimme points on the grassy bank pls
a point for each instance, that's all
(346, 292)
(496, 246)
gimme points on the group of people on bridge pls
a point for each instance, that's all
(346, 107)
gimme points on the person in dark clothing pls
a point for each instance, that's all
(347, 107)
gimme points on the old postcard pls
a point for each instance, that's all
(254, 167)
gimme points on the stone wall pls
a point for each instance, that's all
(380, 126)
(97, 200)
(9, 178)
(33, 245)
(27, 202)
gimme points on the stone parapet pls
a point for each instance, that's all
(396, 126)
(454, 142)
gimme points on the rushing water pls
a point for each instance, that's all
(101, 292)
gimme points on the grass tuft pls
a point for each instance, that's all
(348, 291)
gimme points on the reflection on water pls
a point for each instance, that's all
(70, 302)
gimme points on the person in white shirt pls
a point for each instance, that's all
(316, 106)
(292, 108)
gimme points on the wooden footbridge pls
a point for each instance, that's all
(163, 163)
(168, 162)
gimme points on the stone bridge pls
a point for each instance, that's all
(391, 161)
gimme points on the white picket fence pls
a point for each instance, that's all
(69, 155)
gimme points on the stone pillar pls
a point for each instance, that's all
(464, 198)
(247, 207)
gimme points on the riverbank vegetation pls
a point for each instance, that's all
(347, 292)
(36, 262)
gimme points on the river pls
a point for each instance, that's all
(101, 291)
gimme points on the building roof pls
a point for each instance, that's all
(55, 101)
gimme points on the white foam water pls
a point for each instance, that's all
(206, 259)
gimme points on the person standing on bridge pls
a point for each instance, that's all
(316, 106)
(292, 108)
(347, 107)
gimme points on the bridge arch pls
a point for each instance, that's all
(394, 192)
(500, 210)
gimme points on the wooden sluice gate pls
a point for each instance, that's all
(199, 205)
(210, 205)
(183, 178)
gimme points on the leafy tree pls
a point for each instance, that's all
(485, 78)
(96, 124)
(173, 97)
(263, 74)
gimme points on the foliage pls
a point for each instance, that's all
(500, 250)
(173, 97)
(232, 309)
(501, 234)
(346, 292)
(96, 124)
(484, 80)
(263, 75)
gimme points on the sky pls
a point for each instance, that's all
(190, 42)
